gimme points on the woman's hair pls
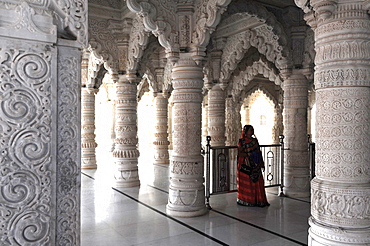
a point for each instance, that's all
(245, 129)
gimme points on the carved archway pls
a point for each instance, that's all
(259, 67)
(264, 33)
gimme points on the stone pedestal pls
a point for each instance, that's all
(186, 191)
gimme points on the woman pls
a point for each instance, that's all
(251, 187)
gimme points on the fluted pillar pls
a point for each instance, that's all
(161, 142)
(296, 165)
(126, 153)
(341, 189)
(186, 190)
(216, 115)
(88, 143)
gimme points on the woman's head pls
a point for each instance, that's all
(248, 130)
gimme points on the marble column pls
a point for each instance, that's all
(161, 142)
(113, 125)
(296, 165)
(232, 122)
(341, 189)
(204, 123)
(186, 190)
(88, 143)
(216, 116)
(278, 128)
(126, 153)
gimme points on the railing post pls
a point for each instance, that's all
(208, 170)
(281, 137)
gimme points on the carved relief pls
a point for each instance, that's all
(103, 44)
(26, 112)
(342, 133)
(69, 148)
(340, 205)
(163, 28)
(207, 17)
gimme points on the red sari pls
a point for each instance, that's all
(251, 193)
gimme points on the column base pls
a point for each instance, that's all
(323, 235)
(88, 163)
(296, 194)
(185, 214)
(127, 184)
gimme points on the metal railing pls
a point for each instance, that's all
(221, 165)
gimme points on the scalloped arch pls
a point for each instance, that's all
(243, 79)
(269, 39)
(265, 92)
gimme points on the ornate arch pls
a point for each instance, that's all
(259, 67)
(264, 91)
(266, 45)
(158, 17)
(266, 35)
(207, 17)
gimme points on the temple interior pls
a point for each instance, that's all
(120, 120)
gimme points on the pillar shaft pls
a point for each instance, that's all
(341, 189)
(296, 165)
(216, 116)
(88, 143)
(126, 153)
(161, 142)
(186, 191)
(232, 122)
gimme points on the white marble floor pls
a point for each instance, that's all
(136, 216)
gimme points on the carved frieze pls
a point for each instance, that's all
(340, 205)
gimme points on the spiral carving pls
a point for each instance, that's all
(30, 147)
(31, 228)
(19, 190)
(18, 106)
(32, 68)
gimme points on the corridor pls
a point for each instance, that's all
(136, 216)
